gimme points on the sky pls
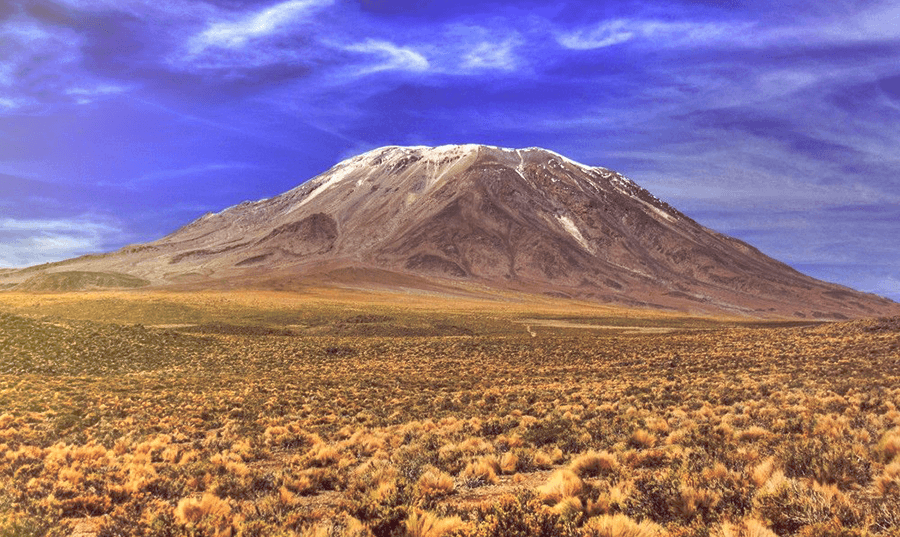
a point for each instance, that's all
(774, 122)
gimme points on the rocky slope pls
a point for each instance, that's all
(519, 219)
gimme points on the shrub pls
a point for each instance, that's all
(542, 459)
(888, 483)
(433, 484)
(569, 508)
(509, 463)
(481, 472)
(693, 502)
(762, 471)
(825, 462)
(209, 514)
(748, 528)
(889, 446)
(619, 525)
(561, 485)
(289, 436)
(322, 455)
(788, 505)
(752, 434)
(521, 516)
(593, 464)
(641, 439)
(424, 524)
(656, 497)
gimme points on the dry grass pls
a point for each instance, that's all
(592, 463)
(317, 416)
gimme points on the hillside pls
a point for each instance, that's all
(471, 219)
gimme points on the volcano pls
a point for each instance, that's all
(468, 217)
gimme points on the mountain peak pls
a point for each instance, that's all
(528, 220)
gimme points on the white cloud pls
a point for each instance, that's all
(392, 57)
(673, 34)
(25, 242)
(269, 21)
(487, 55)
(37, 63)
(606, 34)
(879, 22)
(87, 95)
(876, 23)
(103, 89)
(78, 225)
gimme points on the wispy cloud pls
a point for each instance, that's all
(876, 23)
(236, 34)
(390, 57)
(89, 94)
(32, 241)
(488, 55)
(30, 54)
(103, 89)
(8, 103)
(83, 224)
(605, 34)
(682, 33)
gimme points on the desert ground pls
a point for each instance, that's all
(344, 412)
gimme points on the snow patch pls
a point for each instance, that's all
(662, 213)
(563, 158)
(521, 166)
(327, 182)
(448, 151)
(570, 226)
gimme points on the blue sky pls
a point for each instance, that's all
(775, 122)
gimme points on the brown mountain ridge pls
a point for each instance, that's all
(468, 217)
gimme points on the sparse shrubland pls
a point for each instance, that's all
(728, 431)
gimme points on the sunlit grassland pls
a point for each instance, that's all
(348, 412)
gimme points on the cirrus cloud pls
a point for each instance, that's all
(32, 241)
(236, 34)
(390, 57)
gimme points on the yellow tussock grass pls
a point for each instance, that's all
(434, 483)
(509, 463)
(484, 470)
(569, 507)
(620, 525)
(762, 471)
(642, 439)
(592, 463)
(323, 455)
(889, 480)
(542, 459)
(752, 434)
(424, 524)
(748, 528)
(193, 510)
(691, 500)
(562, 484)
(890, 444)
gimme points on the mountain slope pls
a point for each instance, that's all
(527, 220)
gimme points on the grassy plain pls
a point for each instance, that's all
(341, 412)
